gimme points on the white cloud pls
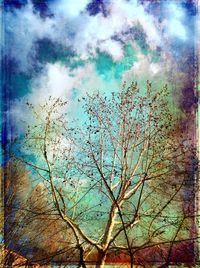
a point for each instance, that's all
(175, 10)
(177, 29)
(56, 80)
(97, 31)
(113, 48)
(69, 8)
(143, 68)
(72, 26)
(24, 28)
(174, 23)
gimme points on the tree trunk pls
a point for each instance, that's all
(101, 258)
(81, 258)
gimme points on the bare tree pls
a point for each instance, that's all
(117, 180)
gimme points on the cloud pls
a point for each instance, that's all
(56, 80)
(72, 26)
(113, 48)
(23, 28)
(177, 29)
(96, 32)
(69, 8)
(174, 23)
(144, 69)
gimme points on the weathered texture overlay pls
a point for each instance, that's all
(99, 133)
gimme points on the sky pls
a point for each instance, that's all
(67, 48)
